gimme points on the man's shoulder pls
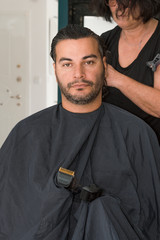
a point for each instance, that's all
(35, 124)
(41, 117)
(123, 117)
(128, 125)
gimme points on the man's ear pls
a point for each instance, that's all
(54, 67)
(105, 65)
(105, 62)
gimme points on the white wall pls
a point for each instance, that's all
(43, 87)
(52, 23)
(98, 24)
(38, 22)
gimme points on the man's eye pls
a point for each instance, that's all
(66, 64)
(89, 62)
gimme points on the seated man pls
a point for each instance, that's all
(82, 169)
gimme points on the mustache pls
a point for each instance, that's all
(80, 81)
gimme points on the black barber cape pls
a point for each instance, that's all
(108, 147)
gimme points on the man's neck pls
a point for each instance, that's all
(82, 108)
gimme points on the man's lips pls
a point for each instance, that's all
(80, 85)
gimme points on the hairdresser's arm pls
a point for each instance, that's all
(145, 97)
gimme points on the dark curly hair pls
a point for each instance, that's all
(148, 8)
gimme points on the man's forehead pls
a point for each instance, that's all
(81, 47)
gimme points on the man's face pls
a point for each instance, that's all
(79, 70)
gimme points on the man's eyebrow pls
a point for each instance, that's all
(64, 59)
(85, 57)
(90, 56)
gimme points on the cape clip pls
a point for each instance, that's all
(154, 63)
(66, 178)
(90, 193)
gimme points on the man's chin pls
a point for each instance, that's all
(81, 99)
(80, 94)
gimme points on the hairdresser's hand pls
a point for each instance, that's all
(113, 77)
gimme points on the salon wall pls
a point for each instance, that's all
(27, 82)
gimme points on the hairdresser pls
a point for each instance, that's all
(133, 76)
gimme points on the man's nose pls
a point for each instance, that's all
(79, 72)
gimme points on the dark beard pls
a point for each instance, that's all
(82, 100)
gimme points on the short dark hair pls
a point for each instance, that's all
(148, 8)
(74, 31)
